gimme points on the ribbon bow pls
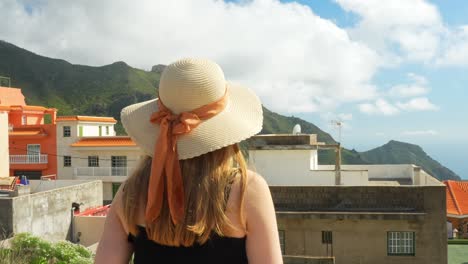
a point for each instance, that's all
(165, 168)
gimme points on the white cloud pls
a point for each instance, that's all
(295, 60)
(418, 104)
(455, 52)
(420, 133)
(416, 88)
(380, 106)
(345, 116)
(413, 26)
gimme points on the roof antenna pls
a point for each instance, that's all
(339, 124)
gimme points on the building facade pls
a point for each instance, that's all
(88, 148)
(354, 213)
(31, 136)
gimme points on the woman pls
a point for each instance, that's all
(192, 200)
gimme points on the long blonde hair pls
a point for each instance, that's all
(207, 179)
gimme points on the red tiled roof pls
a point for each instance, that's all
(104, 142)
(87, 118)
(457, 197)
(25, 108)
(11, 96)
(98, 211)
(27, 131)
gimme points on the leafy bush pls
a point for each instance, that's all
(457, 241)
(26, 248)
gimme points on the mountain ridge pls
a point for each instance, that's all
(105, 90)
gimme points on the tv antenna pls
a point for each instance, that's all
(339, 125)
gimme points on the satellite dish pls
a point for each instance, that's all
(296, 129)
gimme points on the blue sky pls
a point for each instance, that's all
(448, 91)
(388, 69)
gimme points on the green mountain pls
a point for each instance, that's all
(395, 152)
(105, 90)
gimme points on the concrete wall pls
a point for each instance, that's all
(88, 229)
(4, 152)
(359, 218)
(48, 213)
(307, 260)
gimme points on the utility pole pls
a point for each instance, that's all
(339, 124)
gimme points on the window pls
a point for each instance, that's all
(66, 131)
(327, 237)
(119, 165)
(100, 130)
(400, 243)
(93, 161)
(107, 130)
(67, 161)
(282, 241)
(80, 130)
(24, 120)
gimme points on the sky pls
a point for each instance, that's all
(386, 69)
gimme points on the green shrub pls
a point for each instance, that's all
(457, 241)
(26, 248)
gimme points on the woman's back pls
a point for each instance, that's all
(176, 204)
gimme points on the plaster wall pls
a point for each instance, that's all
(89, 229)
(92, 129)
(4, 152)
(274, 164)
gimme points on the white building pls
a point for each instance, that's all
(4, 152)
(88, 148)
(277, 156)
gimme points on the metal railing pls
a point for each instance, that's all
(29, 159)
(102, 171)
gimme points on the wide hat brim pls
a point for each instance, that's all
(241, 119)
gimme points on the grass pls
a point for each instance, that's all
(457, 254)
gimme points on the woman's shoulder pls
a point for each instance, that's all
(257, 191)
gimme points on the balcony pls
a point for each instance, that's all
(111, 174)
(29, 159)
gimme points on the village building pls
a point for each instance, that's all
(88, 149)
(457, 208)
(31, 136)
(4, 153)
(342, 211)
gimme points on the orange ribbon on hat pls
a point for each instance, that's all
(165, 168)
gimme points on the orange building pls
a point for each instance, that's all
(31, 135)
(457, 206)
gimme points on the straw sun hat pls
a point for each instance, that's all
(186, 85)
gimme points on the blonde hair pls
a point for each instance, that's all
(207, 180)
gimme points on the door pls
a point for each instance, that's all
(33, 154)
(119, 165)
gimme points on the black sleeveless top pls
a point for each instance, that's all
(225, 250)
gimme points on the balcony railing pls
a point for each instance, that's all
(29, 159)
(102, 171)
